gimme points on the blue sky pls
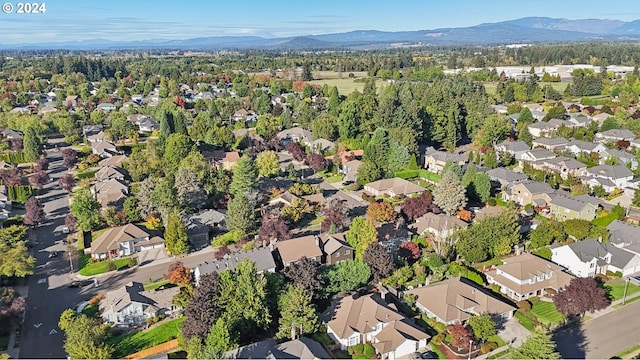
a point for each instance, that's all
(67, 20)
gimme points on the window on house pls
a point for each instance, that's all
(347, 252)
(338, 254)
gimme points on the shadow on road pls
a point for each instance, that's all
(571, 342)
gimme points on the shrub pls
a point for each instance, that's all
(488, 347)
(524, 306)
(368, 198)
(492, 202)
(228, 238)
(358, 348)
(495, 288)
(438, 339)
(111, 266)
(369, 351)
(96, 299)
(132, 262)
(614, 275)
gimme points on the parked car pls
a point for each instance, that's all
(635, 280)
(414, 355)
(65, 230)
(429, 355)
(53, 254)
(348, 182)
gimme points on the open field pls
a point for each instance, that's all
(345, 84)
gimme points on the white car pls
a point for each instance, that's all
(65, 230)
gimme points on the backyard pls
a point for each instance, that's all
(133, 342)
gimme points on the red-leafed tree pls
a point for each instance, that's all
(379, 261)
(460, 335)
(317, 162)
(42, 164)
(203, 310)
(38, 179)
(273, 227)
(221, 252)
(179, 102)
(335, 216)
(414, 208)
(295, 150)
(69, 157)
(381, 211)
(409, 251)
(66, 182)
(11, 307)
(622, 144)
(179, 274)
(304, 273)
(11, 177)
(297, 86)
(580, 296)
(70, 222)
(34, 214)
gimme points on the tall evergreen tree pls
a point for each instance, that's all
(298, 315)
(175, 235)
(245, 176)
(31, 144)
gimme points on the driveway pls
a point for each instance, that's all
(513, 332)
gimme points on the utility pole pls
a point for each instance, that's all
(624, 295)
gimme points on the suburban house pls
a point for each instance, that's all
(296, 134)
(624, 158)
(354, 320)
(96, 137)
(513, 148)
(123, 241)
(322, 146)
(104, 149)
(590, 257)
(537, 155)
(110, 172)
(292, 250)
(261, 257)
(523, 276)
(10, 134)
(551, 144)
(300, 348)
(132, 305)
(529, 192)
(455, 300)
(625, 236)
(350, 169)
(106, 107)
(614, 135)
(564, 207)
(438, 225)
(226, 159)
(286, 198)
(565, 166)
(619, 175)
(72, 101)
(148, 124)
(435, 160)
(200, 225)
(577, 147)
(113, 161)
(110, 193)
(542, 128)
(335, 248)
(393, 187)
(503, 177)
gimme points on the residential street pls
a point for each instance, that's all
(48, 291)
(602, 337)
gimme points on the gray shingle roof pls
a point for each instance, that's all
(623, 233)
(261, 257)
(589, 249)
(506, 175)
(573, 203)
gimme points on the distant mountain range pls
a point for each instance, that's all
(525, 30)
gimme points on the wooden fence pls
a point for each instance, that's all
(158, 349)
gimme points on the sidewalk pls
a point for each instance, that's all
(611, 307)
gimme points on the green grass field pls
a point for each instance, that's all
(547, 313)
(604, 221)
(155, 284)
(616, 290)
(524, 321)
(496, 339)
(101, 267)
(133, 342)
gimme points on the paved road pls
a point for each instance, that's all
(602, 337)
(48, 291)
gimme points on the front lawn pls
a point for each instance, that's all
(546, 313)
(136, 341)
(524, 321)
(335, 178)
(101, 267)
(496, 339)
(152, 285)
(616, 290)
